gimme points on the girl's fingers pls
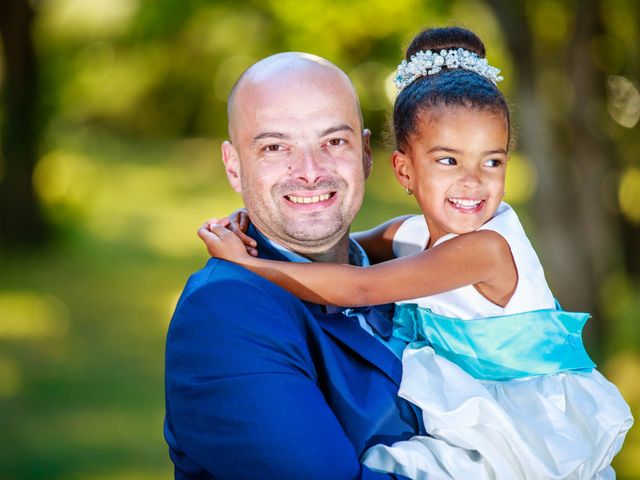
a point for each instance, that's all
(209, 238)
(238, 222)
(246, 239)
(244, 221)
(218, 230)
(219, 221)
(207, 235)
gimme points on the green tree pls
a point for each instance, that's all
(565, 130)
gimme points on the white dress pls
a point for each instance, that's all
(515, 397)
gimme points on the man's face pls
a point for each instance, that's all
(302, 160)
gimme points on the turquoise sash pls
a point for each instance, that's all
(541, 342)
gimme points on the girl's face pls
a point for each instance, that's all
(456, 167)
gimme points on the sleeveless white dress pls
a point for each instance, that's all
(506, 392)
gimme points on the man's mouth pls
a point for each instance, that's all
(465, 203)
(313, 199)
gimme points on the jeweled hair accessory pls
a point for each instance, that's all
(425, 63)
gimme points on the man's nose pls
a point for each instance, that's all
(309, 166)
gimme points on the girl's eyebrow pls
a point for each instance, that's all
(442, 149)
(499, 150)
(453, 150)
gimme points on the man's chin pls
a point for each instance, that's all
(315, 233)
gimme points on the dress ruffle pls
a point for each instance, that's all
(565, 425)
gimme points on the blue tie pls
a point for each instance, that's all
(379, 317)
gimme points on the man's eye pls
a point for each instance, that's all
(276, 147)
(336, 142)
(447, 161)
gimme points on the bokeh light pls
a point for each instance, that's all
(227, 74)
(132, 116)
(369, 80)
(87, 17)
(629, 194)
(10, 377)
(521, 179)
(32, 315)
(624, 101)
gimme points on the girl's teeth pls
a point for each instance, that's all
(460, 203)
(314, 199)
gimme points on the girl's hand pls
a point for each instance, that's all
(222, 243)
(238, 223)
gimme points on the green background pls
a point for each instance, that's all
(131, 115)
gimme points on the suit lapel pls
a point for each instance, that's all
(347, 331)
(344, 329)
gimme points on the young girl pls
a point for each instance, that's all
(500, 373)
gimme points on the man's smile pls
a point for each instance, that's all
(310, 199)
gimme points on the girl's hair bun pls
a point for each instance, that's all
(446, 38)
(445, 88)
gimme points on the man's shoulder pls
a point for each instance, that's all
(227, 312)
(223, 292)
(220, 278)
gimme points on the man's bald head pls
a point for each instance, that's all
(298, 153)
(280, 70)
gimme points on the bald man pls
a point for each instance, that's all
(258, 383)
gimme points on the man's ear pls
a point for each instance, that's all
(231, 161)
(403, 169)
(367, 156)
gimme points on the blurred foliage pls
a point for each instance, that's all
(133, 97)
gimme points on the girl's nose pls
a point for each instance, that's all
(471, 178)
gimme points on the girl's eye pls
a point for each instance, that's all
(447, 161)
(336, 142)
(494, 162)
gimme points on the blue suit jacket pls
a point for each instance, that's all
(262, 385)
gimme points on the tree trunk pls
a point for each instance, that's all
(593, 152)
(21, 220)
(559, 234)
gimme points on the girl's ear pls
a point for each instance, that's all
(403, 169)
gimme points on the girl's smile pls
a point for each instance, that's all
(466, 205)
(456, 168)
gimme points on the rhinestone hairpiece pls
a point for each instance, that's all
(425, 63)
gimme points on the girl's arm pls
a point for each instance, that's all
(378, 241)
(481, 258)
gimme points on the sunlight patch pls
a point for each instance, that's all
(10, 377)
(521, 179)
(67, 178)
(82, 16)
(629, 195)
(132, 474)
(32, 315)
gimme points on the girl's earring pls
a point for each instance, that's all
(408, 191)
(504, 193)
